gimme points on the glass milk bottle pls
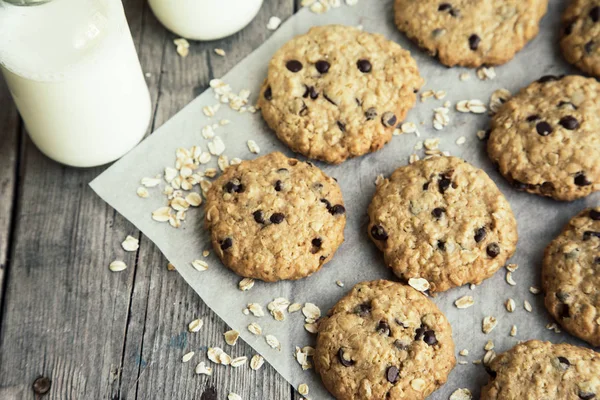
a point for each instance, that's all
(205, 19)
(73, 72)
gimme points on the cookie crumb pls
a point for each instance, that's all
(274, 23)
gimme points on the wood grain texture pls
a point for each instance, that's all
(162, 303)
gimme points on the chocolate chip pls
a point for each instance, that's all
(587, 235)
(338, 209)
(426, 186)
(342, 126)
(310, 91)
(329, 100)
(519, 185)
(444, 184)
(268, 93)
(567, 104)
(317, 243)
(474, 41)
(493, 374)
(322, 66)
(41, 385)
(327, 203)
(564, 311)
(277, 218)
(441, 245)
(438, 212)
(533, 117)
(581, 180)
(364, 66)
(259, 216)
(303, 111)
(379, 233)
(589, 47)
(586, 395)
(420, 332)
(294, 65)
(429, 338)
(564, 362)
(383, 328)
(371, 113)
(392, 374)
(436, 33)
(345, 363)
(547, 187)
(480, 234)
(226, 243)
(543, 128)
(454, 12)
(597, 260)
(400, 345)
(445, 7)
(400, 323)
(569, 122)
(548, 78)
(278, 186)
(388, 119)
(595, 14)
(363, 310)
(595, 215)
(233, 187)
(493, 250)
(562, 296)
(569, 27)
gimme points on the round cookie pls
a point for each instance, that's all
(470, 33)
(580, 41)
(443, 220)
(542, 370)
(546, 139)
(384, 340)
(275, 218)
(571, 276)
(338, 92)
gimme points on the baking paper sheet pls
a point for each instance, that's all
(357, 260)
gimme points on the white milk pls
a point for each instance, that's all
(205, 19)
(73, 72)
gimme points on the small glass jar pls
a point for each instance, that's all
(205, 19)
(73, 71)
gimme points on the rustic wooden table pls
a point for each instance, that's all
(64, 316)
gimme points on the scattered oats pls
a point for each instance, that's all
(303, 389)
(150, 182)
(130, 244)
(464, 352)
(278, 314)
(489, 357)
(488, 324)
(239, 361)
(461, 140)
(476, 362)
(464, 76)
(379, 179)
(464, 302)
(489, 345)
(339, 283)
(273, 342)
(418, 145)
(195, 325)
(461, 394)
(162, 214)
(510, 305)
(318, 8)
(183, 47)
(279, 303)
(463, 106)
(256, 309)
(441, 118)
(417, 384)
(231, 337)
(220, 52)
(431, 143)
(498, 98)
(216, 147)
(179, 204)
(311, 312)
(351, 2)
(409, 127)
(426, 95)
(208, 132)
(255, 329)
(534, 290)
(481, 134)
(202, 369)
(210, 111)
(234, 396)
(256, 362)
(513, 331)
(311, 327)
(294, 307)
(187, 357)
(117, 266)
(224, 122)
(309, 350)
(473, 106)
(527, 306)
(413, 158)
(246, 311)
(253, 147)
(170, 174)
(273, 23)
(205, 185)
(246, 284)
(447, 104)
(440, 94)
(194, 199)
(419, 283)
(200, 265)
(556, 329)
(485, 73)
(509, 279)
(223, 162)
(142, 192)
(463, 362)
(472, 286)
(210, 172)
(302, 358)
(170, 267)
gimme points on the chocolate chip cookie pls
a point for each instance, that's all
(443, 220)
(542, 370)
(571, 276)
(275, 218)
(338, 92)
(580, 42)
(470, 33)
(546, 139)
(384, 340)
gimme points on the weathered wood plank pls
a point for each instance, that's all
(65, 313)
(162, 303)
(9, 151)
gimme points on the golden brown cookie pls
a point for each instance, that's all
(275, 218)
(443, 220)
(338, 92)
(580, 42)
(384, 340)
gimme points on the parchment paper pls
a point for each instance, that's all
(357, 260)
